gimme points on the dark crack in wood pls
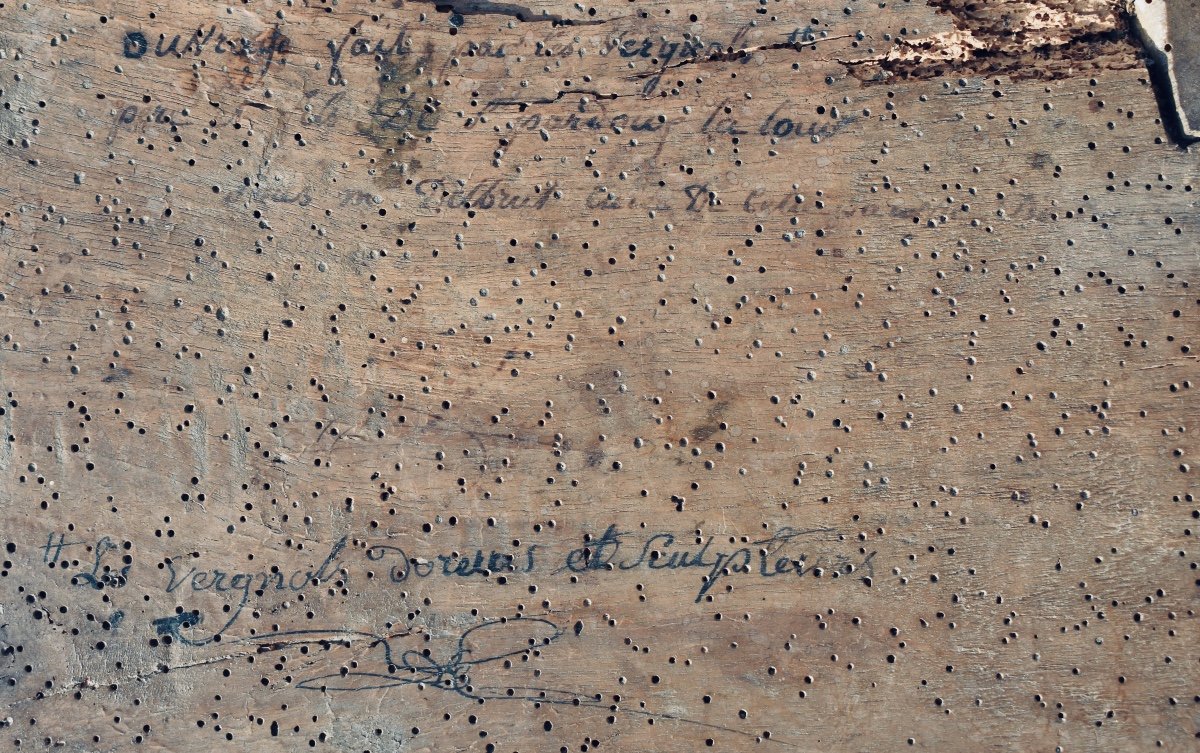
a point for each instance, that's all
(513, 10)
(1045, 39)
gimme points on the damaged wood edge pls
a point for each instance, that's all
(1047, 39)
(1175, 90)
(1050, 39)
(521, 13)
(1042, 39)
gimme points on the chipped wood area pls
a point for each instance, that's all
(1172, 37)
(633, 376)
(1022, 39)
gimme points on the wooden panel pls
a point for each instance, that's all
(647, 376)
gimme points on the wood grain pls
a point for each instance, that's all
(636, 376)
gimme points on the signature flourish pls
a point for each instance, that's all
(477, 653)
(489, 642)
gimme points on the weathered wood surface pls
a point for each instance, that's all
(640, 376)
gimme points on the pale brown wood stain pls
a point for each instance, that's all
(630, 376)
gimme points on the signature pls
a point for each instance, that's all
(469, 668)
(489, 642)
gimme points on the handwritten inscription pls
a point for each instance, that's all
(398, 106)
(263, 48)
(667, 53)
(498, 193)
(102, 574)
(241, 584)
(583, 120)
(780, 124)
(790, 552)
(460, 565)
(490, 642)
(385, 53)
(767, 558)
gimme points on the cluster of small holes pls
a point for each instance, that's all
(480, 282)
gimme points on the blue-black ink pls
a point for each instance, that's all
(362, 46)
(799, 36)
(461, 566)
(215, 580)
(699, 196)
(135, 45)
(102, 575)
(276, 43)
(451, 673)
(54, 549)
(721, 122)
(595, 555)
(506, 638)
(487, 194)
(173, 625)
(397, 113)
(657, 553)
(688, 50)
(409, 667)
(584, 121)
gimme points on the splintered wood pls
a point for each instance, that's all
(637, 376)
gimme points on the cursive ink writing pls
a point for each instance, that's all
(456, 565)
(580, 121)
(265, 46)
(101, 575)
(220, 581)
(768, 558)
(776, 124)
(488, 642)
(472, 667)
(497, 193)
